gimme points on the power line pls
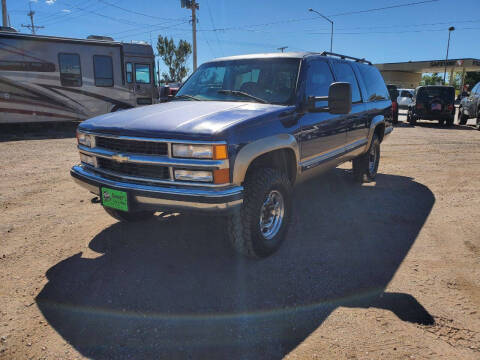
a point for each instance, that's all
(134, 12)
(242, 27)
(384, 8)
(213, 25)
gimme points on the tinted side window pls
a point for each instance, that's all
(477, 90)
(129, 72)
(103, 70)
(376, 88)
(319, 78)
(70, 69)
(345, 73)
(142, 73)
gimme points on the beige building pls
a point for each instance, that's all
(409, 74)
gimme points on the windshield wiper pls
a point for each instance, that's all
(241, 93)
(185, 97)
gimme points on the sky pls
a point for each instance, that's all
(378, 30)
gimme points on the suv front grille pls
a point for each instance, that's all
(135, 169)
(132, 146)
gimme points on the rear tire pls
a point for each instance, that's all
(450, 120)
(248, 227)
(463, 118)
(365, 166)
(129, 216)
(411, 119)
(441, 122)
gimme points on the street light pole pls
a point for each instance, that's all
(450, 29)
(331, 23)
(4, 13)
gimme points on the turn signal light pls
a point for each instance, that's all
(220, 152)
(221, 176)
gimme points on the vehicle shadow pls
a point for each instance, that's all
(38, 131)
(172, 288)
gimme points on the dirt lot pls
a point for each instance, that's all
(389, 270)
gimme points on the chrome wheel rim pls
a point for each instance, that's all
(271, 214)
(372, 159)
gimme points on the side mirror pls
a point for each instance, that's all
(339, 99)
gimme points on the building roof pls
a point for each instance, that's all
(431, 66)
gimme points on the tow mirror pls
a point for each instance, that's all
(339, 99)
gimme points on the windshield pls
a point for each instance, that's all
(254, 80)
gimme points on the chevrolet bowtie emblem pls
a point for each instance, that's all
(120, 158)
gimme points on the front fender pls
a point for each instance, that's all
(251, 151)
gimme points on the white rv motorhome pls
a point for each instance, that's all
(45, 78)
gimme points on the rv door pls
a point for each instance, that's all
(139, 79)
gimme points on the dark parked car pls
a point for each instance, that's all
(470, 106)
(239, 134)
(393, 91)
(433, 103)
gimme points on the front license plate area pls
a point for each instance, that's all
(114, 199)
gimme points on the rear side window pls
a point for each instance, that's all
(70, 69)
(103, 70)
(344, 73)
(376, 88)
(431, 92)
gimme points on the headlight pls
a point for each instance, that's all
(217, 152)
(193, 175)
(87, 159)
(192, 151)
(85, 139)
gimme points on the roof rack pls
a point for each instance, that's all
(343, 57)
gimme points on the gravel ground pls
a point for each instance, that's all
(388, 270)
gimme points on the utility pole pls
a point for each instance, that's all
(4, 13)
(32, 27)
(282, 48)
(192, 5)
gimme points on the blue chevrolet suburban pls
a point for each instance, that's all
(239, 135)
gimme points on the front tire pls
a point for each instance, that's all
(365, 166)
(258, 228)
(129, 216)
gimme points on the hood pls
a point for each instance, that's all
(198, 118)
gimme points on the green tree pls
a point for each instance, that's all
(174, 57)
(471, 78)
(433, 79)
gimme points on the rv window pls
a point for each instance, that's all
(103, 70)
(142, 73)
(70, 69)
(129, 72)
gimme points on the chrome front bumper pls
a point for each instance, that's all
(163, 198)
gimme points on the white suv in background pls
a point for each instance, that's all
(405, 98)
